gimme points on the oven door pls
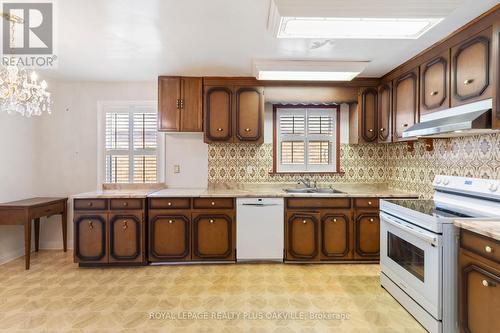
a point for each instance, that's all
(412, 258)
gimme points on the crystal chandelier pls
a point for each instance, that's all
(19, 91)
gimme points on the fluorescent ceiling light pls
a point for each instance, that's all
(359, 28)
(308, 70)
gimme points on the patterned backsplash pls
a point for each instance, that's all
(472, 156)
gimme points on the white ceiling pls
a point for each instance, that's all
(130, 40)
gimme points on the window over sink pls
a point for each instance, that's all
(306, 138)
(129, 143)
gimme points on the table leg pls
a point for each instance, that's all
(27, 243)
(64, 221)
(37, 233)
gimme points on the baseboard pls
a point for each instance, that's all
(11, 255)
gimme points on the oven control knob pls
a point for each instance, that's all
(438, 181)
(493, 187)
(446, 182)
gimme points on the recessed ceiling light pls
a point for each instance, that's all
(308, 70)
(360, 28)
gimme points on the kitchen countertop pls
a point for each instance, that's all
(486, 228)
(276, 191)
(123, 194)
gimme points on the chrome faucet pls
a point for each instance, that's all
(307, 182)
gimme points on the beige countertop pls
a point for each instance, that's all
(277, 191)
(486, 228)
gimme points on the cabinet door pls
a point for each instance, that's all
(125, 238)
(471, 69)
(367, 235)
(336, 236)
(302, 236)
(213, 236)
(191, 104)
(368, 119)
(384, 112)
(169, 96)
(169, 237)
(480, 298)
(90, 238)
(405, 108)
(218, 114)
(249, 114)
(434, 77)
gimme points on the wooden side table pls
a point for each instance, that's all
(22, 212)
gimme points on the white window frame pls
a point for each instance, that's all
(306, 137)
(126, 107)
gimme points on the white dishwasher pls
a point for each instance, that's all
(259, 229)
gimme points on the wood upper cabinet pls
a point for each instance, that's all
(471, 69)
(336, 235)
(434, 88)
(218, 114)
(368, 122)
(126, 237)
(249, 114)
(213, 236)
(405, 103)
(180, 104)
(302, 235)
(234, 112)
(169, 236)
(367, 235)
(91, 241)
(384, 112)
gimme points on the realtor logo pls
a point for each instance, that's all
(29, 29)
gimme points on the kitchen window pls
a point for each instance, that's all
(130, 145)
(306, 139)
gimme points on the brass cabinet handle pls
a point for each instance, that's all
(370, 130)
(90, 204)
(334, 220)
(434, 93)
(247, 129)
(220, 129)
(211, 221)
(91, 225)
(177, 103)
(125, 225)
(169, 204)
(371, 220)
(182, 104)
(382, 129)
(488, 249)
(468, 81)
(125, 204)
(369, 203)
(487, 283)
(213, 203)
(170, 221)
(304, 221)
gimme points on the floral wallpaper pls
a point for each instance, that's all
(473, 156)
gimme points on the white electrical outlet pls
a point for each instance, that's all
(177, 168)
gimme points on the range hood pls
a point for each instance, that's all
(473, 118)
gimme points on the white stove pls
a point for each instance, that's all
(419, 246)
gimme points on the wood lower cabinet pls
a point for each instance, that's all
(180, 104)
(169, 236)
(302, 230)
(405, 103)
(471, 69)
(384, 112)
(336, 235)
(367, 235)
(109, 231)
(479, 284)
(214, 235)
(91, 237)
(434, 78)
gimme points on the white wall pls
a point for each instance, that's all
(18, 174)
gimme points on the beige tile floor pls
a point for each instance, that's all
(57, 296)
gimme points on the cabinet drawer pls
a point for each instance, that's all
(216, 203)
(52, 209)
(169, 203)
(366, 202)
(126, 204)
(318, 203)
(483, 246)
(90, 204)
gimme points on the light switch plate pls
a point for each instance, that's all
(177, 168)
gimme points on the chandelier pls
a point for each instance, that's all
(19, 91)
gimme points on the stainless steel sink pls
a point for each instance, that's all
(311, 190)
(326, 190)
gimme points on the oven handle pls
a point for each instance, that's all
(424, 236)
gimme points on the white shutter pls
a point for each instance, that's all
(292, 152)
(145, 130)
(117, 131)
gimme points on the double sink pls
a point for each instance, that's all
(312, 190)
